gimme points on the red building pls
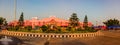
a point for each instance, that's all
(46, 21)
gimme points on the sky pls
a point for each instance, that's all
(96, 10)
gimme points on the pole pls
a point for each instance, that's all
(14, 9)
(96, 23)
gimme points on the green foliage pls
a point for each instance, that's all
(52, 31)
(3, 21)
(44, 28)
(90, 29)
(55, 29)
(37, 27)
(85, 22)
(111, 22)
(29, 28)
(36, 31)
(74, 20)
(68, 28)
(73, 29)
(17, 27)
(12, 28)
(21, 20)
(79, 29)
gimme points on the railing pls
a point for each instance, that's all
(51, 35)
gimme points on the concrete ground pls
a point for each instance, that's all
(110, 38)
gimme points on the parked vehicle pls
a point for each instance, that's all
(99, 27)
(114, 27)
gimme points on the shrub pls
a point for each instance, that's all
(90, 29)
(29, 28)
(44, 28)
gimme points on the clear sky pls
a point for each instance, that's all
(96, 10)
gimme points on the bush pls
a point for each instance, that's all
(29, 28)
(90, 29)
(13, 28)
(47, 29)
(44, 28)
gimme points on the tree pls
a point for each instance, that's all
(3, 23)
(74, 20)
(1, 20)
(85, 22)
(21, 20)
(111, 22)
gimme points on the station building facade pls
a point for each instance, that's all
(46, 21)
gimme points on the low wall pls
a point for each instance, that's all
(51, 35)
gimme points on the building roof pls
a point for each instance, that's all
(53, 18)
